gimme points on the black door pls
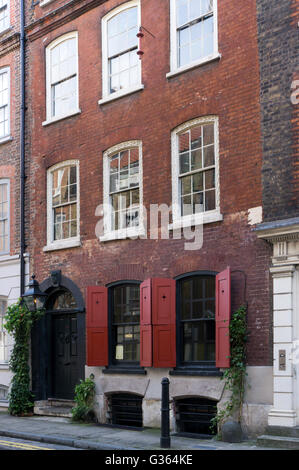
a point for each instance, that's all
(65, 360)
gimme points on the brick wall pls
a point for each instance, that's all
(228, 88)
(279, 51)
(9, 150)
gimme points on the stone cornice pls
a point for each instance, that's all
(280, 234)
(60, 16)
(9, 43)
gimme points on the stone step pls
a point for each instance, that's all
(64, 412)
(278, 442)
(61, 402)
(282, 431)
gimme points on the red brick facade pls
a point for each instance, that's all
(9, 145)
(227, 88)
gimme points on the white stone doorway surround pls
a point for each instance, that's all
(284, 236)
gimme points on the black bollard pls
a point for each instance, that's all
(165, 437)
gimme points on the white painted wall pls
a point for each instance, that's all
(10, 288)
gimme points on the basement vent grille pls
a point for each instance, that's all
(125, 410)
(193, 416)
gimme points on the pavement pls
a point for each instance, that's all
(62, 431)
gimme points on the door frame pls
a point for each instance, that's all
(41, 339)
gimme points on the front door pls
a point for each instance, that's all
(65, 360)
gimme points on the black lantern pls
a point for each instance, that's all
(34, 298)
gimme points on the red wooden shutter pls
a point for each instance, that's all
(164, 322)
(146, 329)
(222, 317)
(97, 326)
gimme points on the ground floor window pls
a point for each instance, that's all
(125, 318)
(196, 315)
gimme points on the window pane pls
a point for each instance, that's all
(184, 55)
(196, 134)
(196, 159)
(198, 203)
(208, 134)
(209, 156)
(182, 12)
(184, 140)
(208, 36)
(210, 200)
(195, 9)
(186, 205)
(187, 341)
(197, 182)
(209, 179)
(184, 163)
(186, 185)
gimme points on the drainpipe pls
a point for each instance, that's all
(22, 147)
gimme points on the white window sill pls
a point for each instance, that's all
(193, 65)
(63, 244)
(198, 219)
(45, 2)
(120, 94)
(60, 118)
(132, 232)
(5, 30)
(4, 366)
(8, 138)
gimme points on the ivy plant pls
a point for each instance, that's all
(84, 396)
(234, 376)
(18, 322)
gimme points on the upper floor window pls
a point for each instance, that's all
(4, 103)
(123, 189)
(196, 317)
(4, 216)
(3, 333)
(63, 203)
(4, 15)
(195, 184)
(193, 32)
(121, 67)
(62, 77)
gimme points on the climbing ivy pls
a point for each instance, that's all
(234, 376)
(18, 323)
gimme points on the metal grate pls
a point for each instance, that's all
(193, 415)
(125, 410)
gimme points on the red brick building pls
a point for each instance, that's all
(179, 127)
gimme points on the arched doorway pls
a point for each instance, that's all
(58, 342)
(62, 307)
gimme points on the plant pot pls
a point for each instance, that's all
(231, 431)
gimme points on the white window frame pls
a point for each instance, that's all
(5, 362)
(49, 48)
(7, 136)
(174, 66)
(7, 25)
(66, 242)
(6, 181)
(106, 95)
(178, 220)
(109, 233)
